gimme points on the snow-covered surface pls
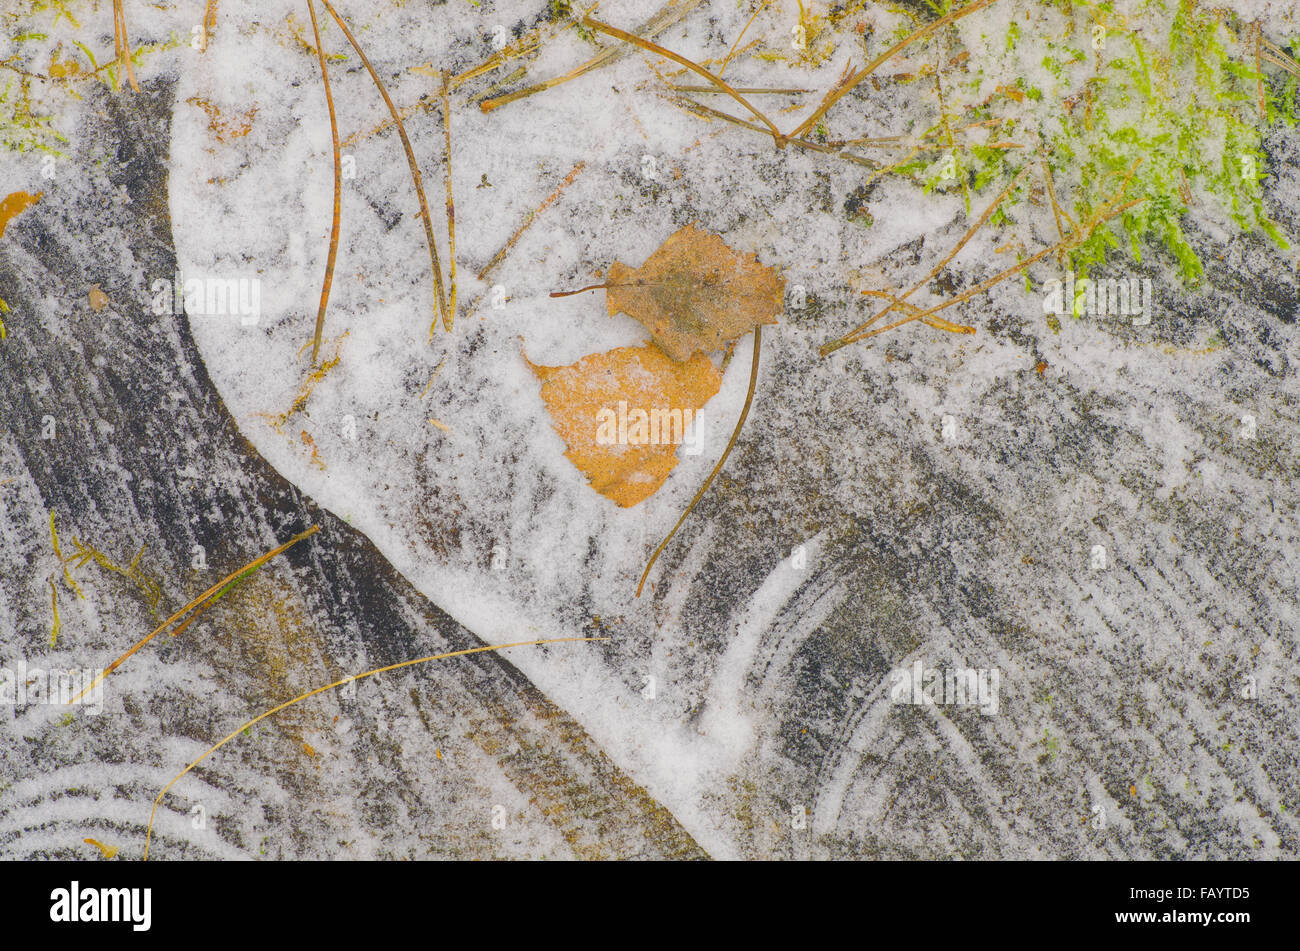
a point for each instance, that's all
(1127, 438)
(438, 503)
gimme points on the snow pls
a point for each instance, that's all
(491, 522)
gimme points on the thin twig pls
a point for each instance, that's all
(1280, 57)
(532, 216)
(938, 323)
(970, 233)
(735, 433)
(54, 604)
(332, 256)
(709, 112)
(1097, 220)
(526, 44)
(439, 292)
(748, 90)
(436, 371)
(1051, 195)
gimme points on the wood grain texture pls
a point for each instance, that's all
(1121, 689)
(146, 454)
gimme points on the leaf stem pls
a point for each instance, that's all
(581, 290)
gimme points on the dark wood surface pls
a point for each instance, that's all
(145, 453)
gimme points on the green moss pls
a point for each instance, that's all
(1168, 97)
(37, 81)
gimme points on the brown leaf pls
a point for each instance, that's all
(695, 294)
(637, 396)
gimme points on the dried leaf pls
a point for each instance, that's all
(14, 205)
(695, 294)
(225, 127)
(65, 69)
(108, 851)
(623, 413)
(97, 298)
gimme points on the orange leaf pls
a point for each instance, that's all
(98, 299)
(622, 415)
(15, 205)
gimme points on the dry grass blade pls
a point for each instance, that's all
(54, 604)
(524, 46)
(198, 603)
(694, 67)
(1279, 57)
(747, 90)
(521, 47)
(735, 434)
(209, 23)
(1016, 269)
(934, 272)
(333, 254)
(924, 316)
(1103, 215)
(938, 323)
(672, 12)
(451, 204)
(833, 148)
(122, 45)
(440, 294)
(708, 112)
(532, 216)
(844, 88)
(338, 683)
(736, 45)
(1051, 195)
